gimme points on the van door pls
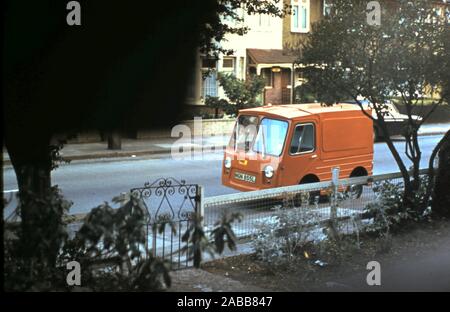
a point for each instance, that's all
(302, 153)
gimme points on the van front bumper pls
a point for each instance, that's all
(244, 186)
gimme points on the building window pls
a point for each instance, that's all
(228, 63)
(327, 7)
(264, 20)
(300, 16)
(208, 62)
(268, 76)
(209, 85)
(209, 75)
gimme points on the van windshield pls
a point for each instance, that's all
(271, 136)
(244, 133)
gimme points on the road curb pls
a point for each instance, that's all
(123, 154)
(120, 154)
(431, 133)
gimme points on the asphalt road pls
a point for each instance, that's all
(90, 183)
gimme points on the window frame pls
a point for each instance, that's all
(257, 133)
(233, 63)
(205, 58)
(263, 71)
(233, 140)
(314, 138)
(300, 5)
(204, 89)
(326, 4)
(447, 14)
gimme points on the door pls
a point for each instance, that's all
(302, 153)
(286, 86)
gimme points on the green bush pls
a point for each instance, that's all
(240, 94)
(282, 238)
(110, 247)
(389, 212)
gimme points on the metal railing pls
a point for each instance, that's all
(341, 201)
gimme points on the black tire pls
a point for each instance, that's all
(312, 196)
(355, 191)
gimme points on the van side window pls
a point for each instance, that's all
(303, 139)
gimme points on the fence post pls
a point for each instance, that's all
(334, 182)
(199, 203)
(199, 215)
(154, 238)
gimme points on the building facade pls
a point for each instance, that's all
(270, 49)
(265, 32)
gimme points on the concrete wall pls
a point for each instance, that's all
(207, 127)
(86, 137)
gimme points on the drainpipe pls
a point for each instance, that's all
(292, 83)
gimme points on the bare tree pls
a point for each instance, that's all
(405, 56)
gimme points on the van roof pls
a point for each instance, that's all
(290, 111)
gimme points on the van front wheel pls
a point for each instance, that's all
(312, 198)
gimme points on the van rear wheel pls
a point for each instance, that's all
(354, 191)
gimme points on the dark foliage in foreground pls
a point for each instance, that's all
(110, 247)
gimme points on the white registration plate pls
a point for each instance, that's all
(244, 177)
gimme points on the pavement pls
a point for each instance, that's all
(434, 129)
(198, 280)
(418, 261)
(132, 148)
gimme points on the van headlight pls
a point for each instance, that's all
(227, 162)
(268, 171)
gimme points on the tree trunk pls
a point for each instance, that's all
(441, 193)
(413, 142)
(408, 195)
(32, 162)
(432, 170)
(114, 140)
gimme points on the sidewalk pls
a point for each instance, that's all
(134, 148)
(434, 129)
(198, 280)
(417, 260)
